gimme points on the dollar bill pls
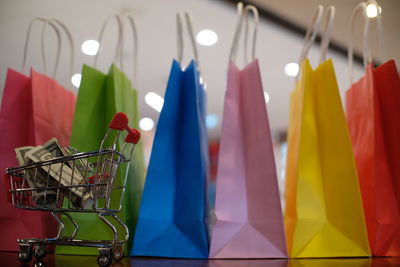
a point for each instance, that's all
(82, 164)
(60, 173)
(43, 198)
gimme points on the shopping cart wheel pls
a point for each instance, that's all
(39, 252)
(25, 253)
(118, 252)
(105, 257)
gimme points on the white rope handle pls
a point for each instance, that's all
(135, 46)
(236, 36)
(247, 10)
(180, 46)
(27, 38)
(362, 7)
(179, 38)
(120, 42)
(244, 21)
(329, 19)
(71, 44)
(118, 53)
(311, 33)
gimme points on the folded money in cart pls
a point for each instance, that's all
(50, 179)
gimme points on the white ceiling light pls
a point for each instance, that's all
(154, 100)
(372, 10)
(266, 96)
(207, 37)
(76, 80)
(211, 121)
(90, 47)
(292, 69)
(146, 124)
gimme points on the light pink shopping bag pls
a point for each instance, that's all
(249, 216)
(248, 210)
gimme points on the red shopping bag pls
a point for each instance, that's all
(53, 109)
(373, 109)
(371, 106)
(33, 110)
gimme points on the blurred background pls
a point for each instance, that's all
(280, 38)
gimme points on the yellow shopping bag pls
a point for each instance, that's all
(324, 215)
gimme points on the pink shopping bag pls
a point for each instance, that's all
(33, 110)
(248, 210)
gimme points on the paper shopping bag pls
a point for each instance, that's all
(324, 214)
(53, 109)
(372, 111)
(100, 96)
(249, 216)
(34, 109)
(172, 213)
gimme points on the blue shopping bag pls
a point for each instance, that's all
(173, 208)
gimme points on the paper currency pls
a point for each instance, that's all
(42, 198)
(82, 164)
(65, 175)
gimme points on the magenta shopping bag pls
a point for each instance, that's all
(248, 210)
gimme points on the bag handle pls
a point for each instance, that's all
(180, 47)
(120, 42)
(311, 33)
(244, 21)
(362, 7)
(313, 30)
(27, 38)
(70, 40)
(135, 47)
(329, 19)
(247, 10)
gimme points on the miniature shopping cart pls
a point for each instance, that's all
(89, 182)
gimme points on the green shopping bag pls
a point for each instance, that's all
(100, 96)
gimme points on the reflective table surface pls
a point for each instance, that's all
(11, 259)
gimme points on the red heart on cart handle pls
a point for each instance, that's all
(133, 136)
(119, 121)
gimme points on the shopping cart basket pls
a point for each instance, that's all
(79, 182)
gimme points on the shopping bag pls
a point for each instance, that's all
(324, 214)
(34, 109)
(100, 96)
(172, 213)
(16, 122)
(377, 183)
(248, 210)
(372, 107)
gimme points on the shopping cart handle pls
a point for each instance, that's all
(133, 136)
(7, 187)
(119, 121)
